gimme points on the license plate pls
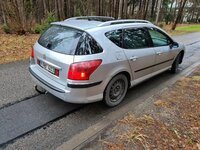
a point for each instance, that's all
(47, 67)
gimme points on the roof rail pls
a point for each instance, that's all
(92, 18)
(115, 22)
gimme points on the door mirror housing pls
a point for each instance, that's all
(174, 45)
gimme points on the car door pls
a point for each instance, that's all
(161, 42)
(137, 49)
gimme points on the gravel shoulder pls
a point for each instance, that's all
(170, 121)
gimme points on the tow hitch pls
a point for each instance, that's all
(40, 90)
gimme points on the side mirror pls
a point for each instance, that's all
(174, 45)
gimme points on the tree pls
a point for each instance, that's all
(153, 3)
(3, 13)
(158, 11)
(125, 8)
(180, 13)
(120, 14)
(23, 15)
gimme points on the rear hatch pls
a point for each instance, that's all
(54, 51)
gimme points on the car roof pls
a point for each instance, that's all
(79, 24)
(91, 22)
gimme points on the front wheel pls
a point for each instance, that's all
(116, 90)
(175, 65)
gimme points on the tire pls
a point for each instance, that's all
(116, 90)
(175, 65)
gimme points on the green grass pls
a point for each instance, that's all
(189, 28)
(183, 29)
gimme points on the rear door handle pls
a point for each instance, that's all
(133, 58)
(158, 53)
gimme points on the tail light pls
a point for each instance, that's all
(83, 70)
(32, 53)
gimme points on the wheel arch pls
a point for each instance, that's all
(126, 73)
(182, 53)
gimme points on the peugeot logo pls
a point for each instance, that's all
(44, 56)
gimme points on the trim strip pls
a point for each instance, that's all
(154, 65)
(45, 83)
(83, 85)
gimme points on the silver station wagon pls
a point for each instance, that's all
(93, 58)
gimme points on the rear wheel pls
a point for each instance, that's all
(175, 65)
(116, 90)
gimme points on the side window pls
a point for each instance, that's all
(115, 36)
(159, 38)
(87, 45)
(135, 39)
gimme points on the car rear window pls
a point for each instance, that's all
(60, 39)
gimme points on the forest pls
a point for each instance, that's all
(21, 16)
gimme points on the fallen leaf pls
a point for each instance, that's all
(198, 146)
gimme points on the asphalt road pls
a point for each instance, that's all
(17, 90)
(15, 82)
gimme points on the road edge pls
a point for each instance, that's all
(81, 139)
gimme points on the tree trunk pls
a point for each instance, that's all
(125, 8)
(3, 13)
(56, 8)
(99, 7)
(197, 17)
(180, 13)
(109, 8)
(153, 2)
(116, 9)
(146, 10)
(120, 9)
(176, 6)
(61, 9)
(158, 11)
(139, 13)
(133, 9)
(20, 6)
(103, 8)
(45, 7)
(113, 8)
(170, 11)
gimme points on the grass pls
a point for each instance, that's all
(189, 28)
(182, 29)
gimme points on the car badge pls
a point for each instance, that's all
(44, 56)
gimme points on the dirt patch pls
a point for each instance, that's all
(171, 122)
(16, 47)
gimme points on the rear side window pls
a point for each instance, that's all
(87, 45)
(60, 39)
(135, 39)
(115, 36)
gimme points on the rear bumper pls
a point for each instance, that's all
(69, 93)
(45, 83)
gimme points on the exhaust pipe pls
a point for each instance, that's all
(40, 90)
